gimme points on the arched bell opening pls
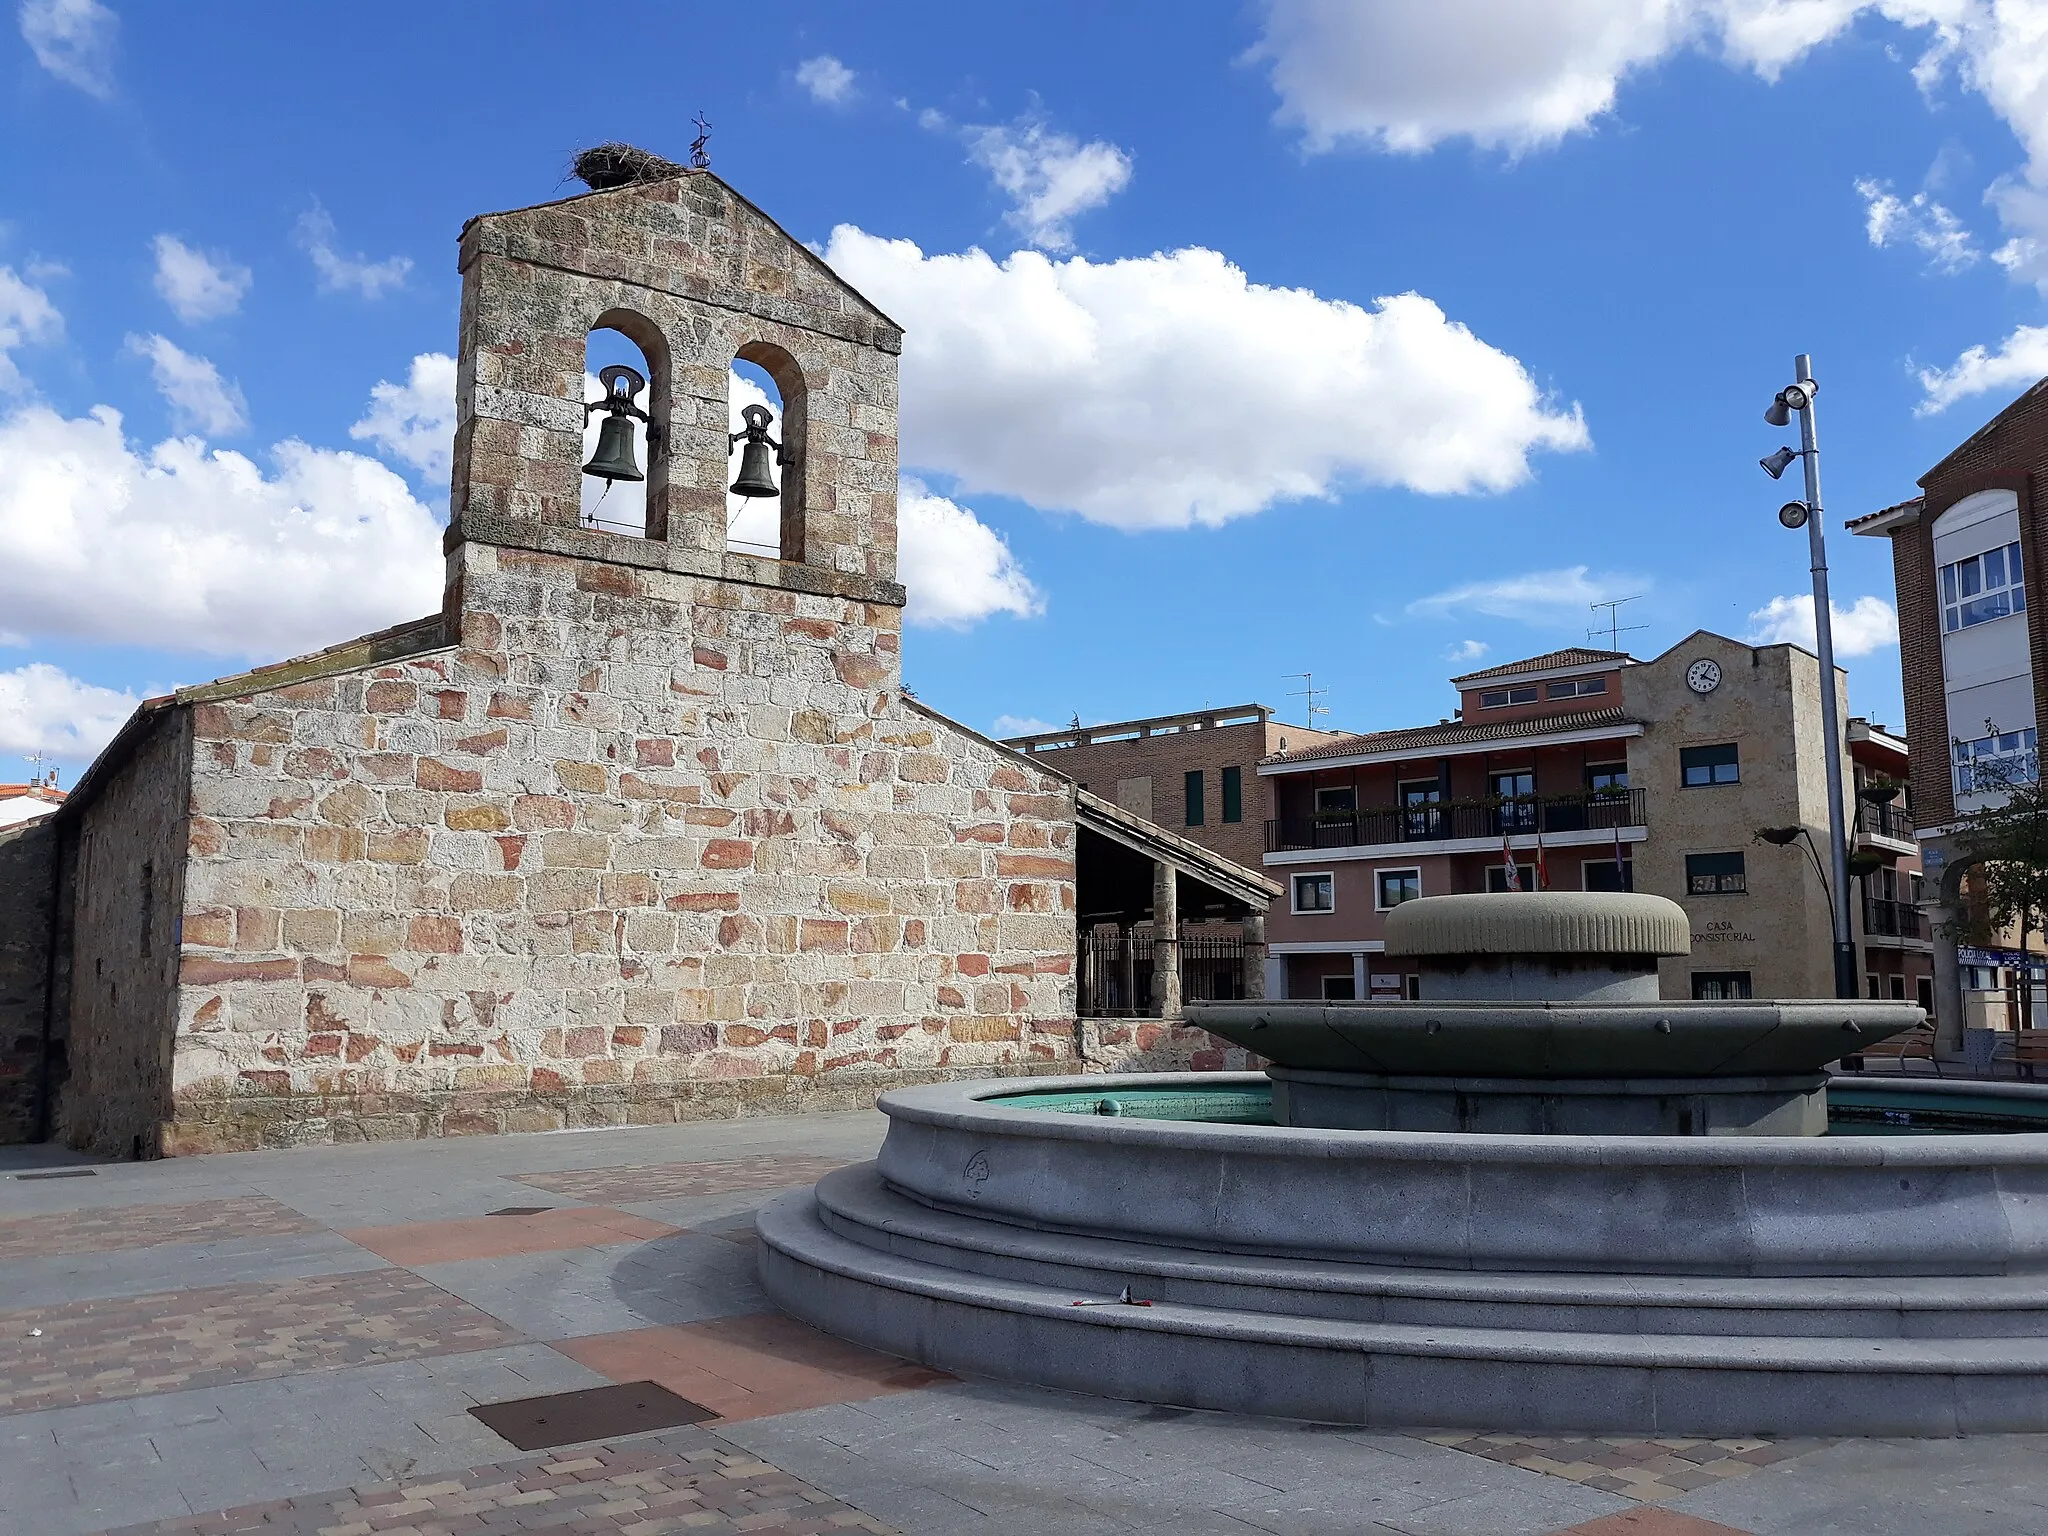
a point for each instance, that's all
(625, 390)
(764, 499)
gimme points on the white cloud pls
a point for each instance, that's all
(1535, 597)
(197, 286)
(180, 548)
(1051, 178)
(1169, 389)
(48, 712)
(315, 235)
(956, 568)
(1006, 726)
(1405, 75)
(1866, 625)
(826, 79)
(26, 316)
(73, 40)
(414, 422)
(200, 400)
(1918, 220)
(2021, 359)
(1466, 650)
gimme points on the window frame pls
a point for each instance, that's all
(1379, 885)
(1607, 769)
(1336, 789)
(1575, 687)
(1509, 696)
(1748, 986)
(1496, 870)
(1348, 981)
(1294, 892)
(1713, 780)
(1720, 877)
(1625, 870)
(2008, 598)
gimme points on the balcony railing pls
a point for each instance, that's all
(1885, 820)
(1442, 821)
(1892, 919)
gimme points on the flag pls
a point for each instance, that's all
(1621, 880)
(1542, 864)
(1507, 859)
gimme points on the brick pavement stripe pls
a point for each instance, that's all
(678, 1481)
(136, 1346)
(661, 1181)
(1636, 1469)
(749, 1367)
(495, 1237)
(1651, 1521)
(108, 1229)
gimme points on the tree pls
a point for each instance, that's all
(2010, 841)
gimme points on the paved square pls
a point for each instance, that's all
(291, 1342)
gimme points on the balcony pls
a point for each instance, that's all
(1448, 821)
(1884, 919)
(1892, 821)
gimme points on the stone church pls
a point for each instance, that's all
(633, 829)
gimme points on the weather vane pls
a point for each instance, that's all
(698, 158)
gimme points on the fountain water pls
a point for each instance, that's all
(1537, 1198)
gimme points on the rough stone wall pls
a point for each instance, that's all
(1158, 1045)
(28, 875)
(644, 846)
(124, 947)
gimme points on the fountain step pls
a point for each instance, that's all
(1343, 1371)
(857, 1204)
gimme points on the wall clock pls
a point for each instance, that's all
(1703, 676)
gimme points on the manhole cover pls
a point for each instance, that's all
(597, 1413)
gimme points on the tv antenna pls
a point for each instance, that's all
(1613, 627)
(39, 761)
(1308, 690)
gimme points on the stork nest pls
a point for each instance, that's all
(620, 165)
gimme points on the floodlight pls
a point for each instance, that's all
(1779, 462)
(1794, 514)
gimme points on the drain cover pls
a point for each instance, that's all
(521, 1210)
(597, 1413)
(62, 1173)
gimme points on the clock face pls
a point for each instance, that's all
(1703, 676)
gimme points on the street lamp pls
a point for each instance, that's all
(1796, 398)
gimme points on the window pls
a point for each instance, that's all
(1990, 763)
(1917, 887)
(1981, 588)
(1315, 893)
(1340, 989)
(1701, 766)
(1609, 874)
(1497, 877)
(1500, 698)
(1897, 989)
(1720, 986)
(1923, 992)
(1233, 794)
(1394, 886)
(1606, 778)
(1192, 782)
(1980, 978)
(1871, 987)
(1713, 874)
(1340, 801)
(1419, 798)
(1576, 687)
(1517, 793)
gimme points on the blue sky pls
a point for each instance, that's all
(1373, 340)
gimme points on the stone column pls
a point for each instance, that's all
(1127, 969)
(1948, 981)
(1255, 956)
(1165, 941)
(1361, 976)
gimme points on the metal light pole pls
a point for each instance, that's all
(1799, 399)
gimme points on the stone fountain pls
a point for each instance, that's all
(1537, 1198)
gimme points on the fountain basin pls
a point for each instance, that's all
(1739, 1285)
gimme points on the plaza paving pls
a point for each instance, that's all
(292, 1342)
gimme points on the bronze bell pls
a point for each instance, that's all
(756, 478)
(614, 459)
